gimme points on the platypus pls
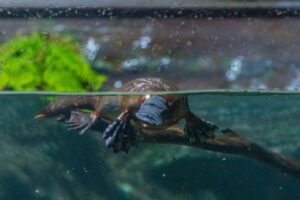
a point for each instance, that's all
(128, 113)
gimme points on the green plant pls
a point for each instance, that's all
(51, 62)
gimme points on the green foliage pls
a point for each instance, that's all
(49, 62)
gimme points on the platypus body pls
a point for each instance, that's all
(130, 112)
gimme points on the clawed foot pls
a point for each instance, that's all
(120, 135)
(199, 130)
(80, 121)
(197, 133)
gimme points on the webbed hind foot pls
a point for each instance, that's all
(80, 121)
(120, 135)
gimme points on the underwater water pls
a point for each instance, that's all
(43, 160)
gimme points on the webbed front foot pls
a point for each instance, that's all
(120, 135)
(198, 129)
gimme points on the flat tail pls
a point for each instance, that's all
(65, 104)
(153, 111)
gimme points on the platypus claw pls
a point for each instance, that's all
(79, 121)
(120, 135)
(198, 129)
(74, 126)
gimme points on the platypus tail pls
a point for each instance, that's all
(199, 129)
(64, 104)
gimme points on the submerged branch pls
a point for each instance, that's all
(231, 143)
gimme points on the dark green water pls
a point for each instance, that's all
(42, 160)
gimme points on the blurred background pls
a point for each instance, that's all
(199, 45)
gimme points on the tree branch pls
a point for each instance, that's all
(230, 143)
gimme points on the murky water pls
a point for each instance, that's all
(42, 160)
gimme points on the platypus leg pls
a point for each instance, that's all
(198, 129)
(81, 121)
(120, 135)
